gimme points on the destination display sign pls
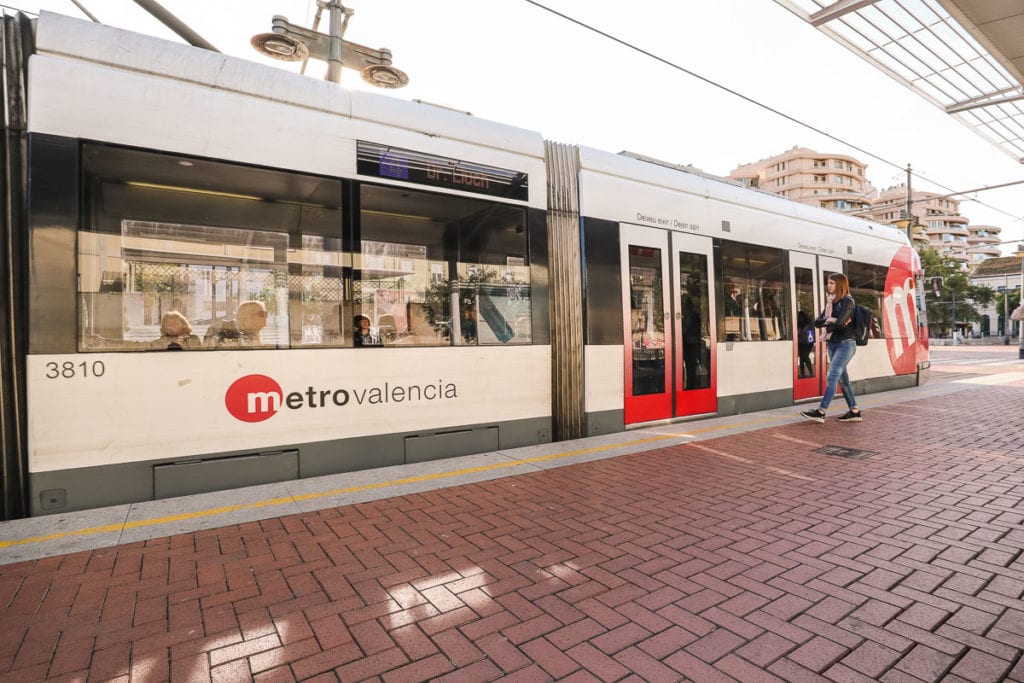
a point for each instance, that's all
(393, 163)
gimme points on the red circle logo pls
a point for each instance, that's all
(253, 398)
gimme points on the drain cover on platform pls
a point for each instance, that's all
(843, 452)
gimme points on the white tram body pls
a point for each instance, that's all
(518, 291)
(671, 211)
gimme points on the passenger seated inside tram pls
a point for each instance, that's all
(175, 333)
(242, 332)
(363, 334)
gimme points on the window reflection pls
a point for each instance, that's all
(647, 317)
(316, 292)
(805, 316)
(441, 270)
(255, 258)
(249, 257)
(754, 302)
(128, 283)
(694, 305)
(867, 285)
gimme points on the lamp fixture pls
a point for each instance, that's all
(290, 43)
(280, 46)
(910, 225)
(384, 76)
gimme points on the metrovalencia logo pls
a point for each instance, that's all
(906, 339)
(255, 398)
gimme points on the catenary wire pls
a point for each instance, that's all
(753, 101)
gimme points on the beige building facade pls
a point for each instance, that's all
(1000, 274)
(983, 243)
(831, 181)
(839, 182)
(944, 228)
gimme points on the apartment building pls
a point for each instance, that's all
(839, 182)
(945, 229)
(982, 243)
(831, 181)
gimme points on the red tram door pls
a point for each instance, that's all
(807, 275)
(668, 324)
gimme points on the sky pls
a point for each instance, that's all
(514, 62)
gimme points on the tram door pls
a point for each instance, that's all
(807, 275)
(668, 324)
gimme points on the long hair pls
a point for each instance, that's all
(842, 285)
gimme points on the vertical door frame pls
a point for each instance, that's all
(658, 406)
(697, 401)
(820, 266)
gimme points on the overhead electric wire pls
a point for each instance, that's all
(757, 103)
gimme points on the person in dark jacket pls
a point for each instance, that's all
(805, 343)
(837, 321)
(363, 334)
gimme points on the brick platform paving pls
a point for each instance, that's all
(749, 557)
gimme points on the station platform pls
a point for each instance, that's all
(756, 547)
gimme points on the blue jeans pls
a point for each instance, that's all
(839, 355)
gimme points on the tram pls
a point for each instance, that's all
(357, 281)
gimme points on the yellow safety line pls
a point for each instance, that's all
(368, 487)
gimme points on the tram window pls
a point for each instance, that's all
(317, 307)
(867, 285)
(647, 314)
(694, 304)
(806, 312)
(166, 234)
(438, 270)
(130, 282)
(755, 305)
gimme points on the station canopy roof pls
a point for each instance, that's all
(964, 56)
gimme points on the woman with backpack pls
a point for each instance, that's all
(837, 319)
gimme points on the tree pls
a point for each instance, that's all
(955, 289)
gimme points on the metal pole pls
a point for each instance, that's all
(953, 292)
(1006, 308)
(1020, 325)
(337, 13)
(910, 212)
(316, 25)
(175, 24)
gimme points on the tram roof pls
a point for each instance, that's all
(60, 36)
(677, 178)
(964, 56)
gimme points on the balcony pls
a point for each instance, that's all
(984, 251)
(954, 230)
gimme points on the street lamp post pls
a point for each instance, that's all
(952, 314)
(909, 224)
(1006, 308)
(1020, 324)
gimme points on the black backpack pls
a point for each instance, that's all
(862, 324)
